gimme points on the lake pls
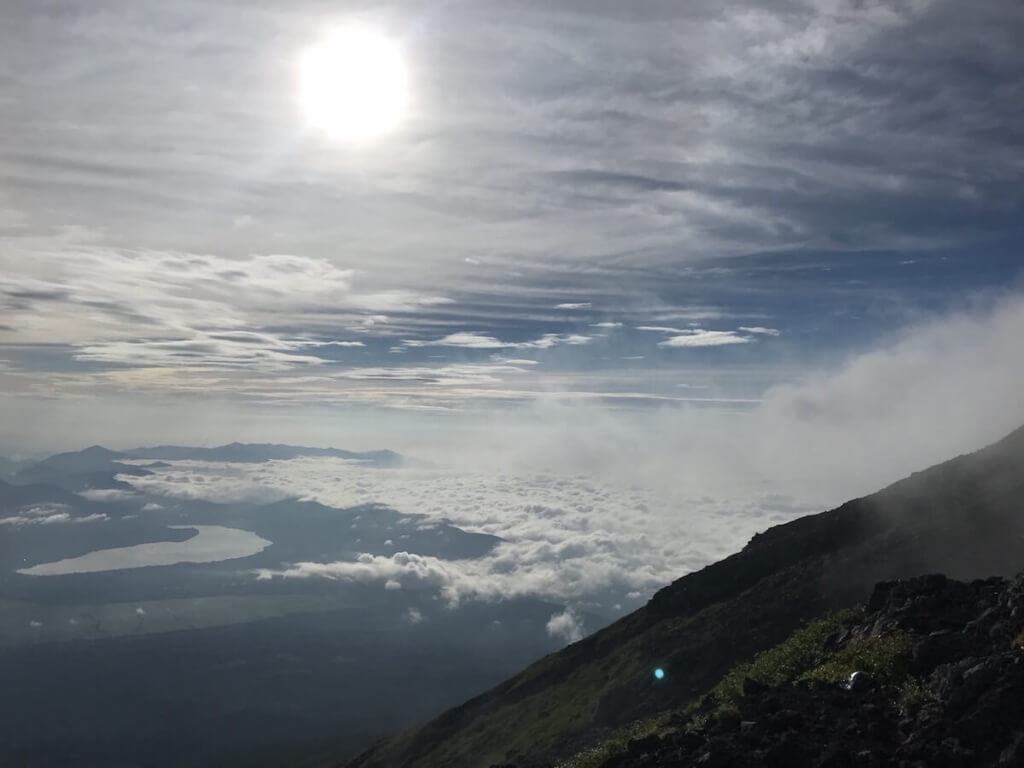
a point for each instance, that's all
(211, 544)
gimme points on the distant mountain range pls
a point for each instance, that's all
(19, 495)
(256, 452)
(96, 467)
(964, 518)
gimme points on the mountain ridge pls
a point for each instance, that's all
(960, 517)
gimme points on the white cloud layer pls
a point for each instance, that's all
(564, 537)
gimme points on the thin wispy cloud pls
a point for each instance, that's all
(600, 189)
(701, 338)
(474, 340)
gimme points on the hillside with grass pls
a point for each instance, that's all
(930, 672)
(962, 518)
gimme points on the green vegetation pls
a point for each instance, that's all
(912, 696)
(617, 744)
(714, 624)
(604, 682)
(803, 657)
(800, 655)
(884, 658)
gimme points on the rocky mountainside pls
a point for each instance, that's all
(932, 674)
(962, 518)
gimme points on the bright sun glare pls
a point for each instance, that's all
(353, 84)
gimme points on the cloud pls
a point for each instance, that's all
(760, 330)
(12, 219)
(329, 344)
(205, 350)
(579, 305)
(414, 616)
(930, 392)
(474, 340)
(44, 510)
(513, 360)
(566, 626)
(698, 337)
(212, 481)
(457, 374)
(563, 536)
(406, 569)
(701, 338)
(49, 514)
(106, 494)
(606, 325)
(467, 339)
(149, 308)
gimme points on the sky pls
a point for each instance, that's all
(595, 209)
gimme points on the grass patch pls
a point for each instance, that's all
(912, 696)
(884, 658)
(619, 743)
(787, 661)
(801, 657)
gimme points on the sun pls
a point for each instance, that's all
(353, 84)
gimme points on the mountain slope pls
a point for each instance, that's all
(931, 673)
(962, 517)
(13, 496)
